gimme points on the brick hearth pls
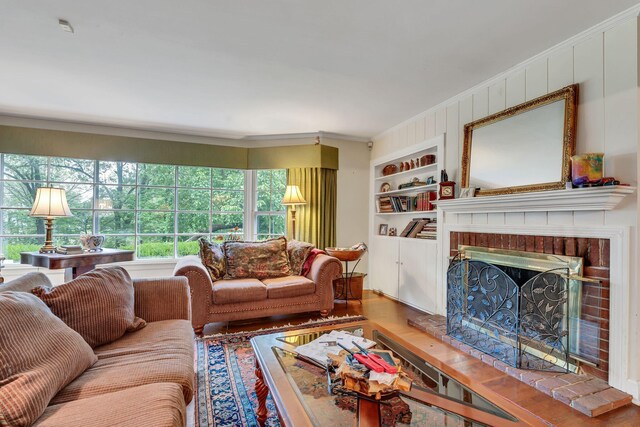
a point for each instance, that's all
(594, 317)
(586, 393)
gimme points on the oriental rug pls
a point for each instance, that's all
(225, 377)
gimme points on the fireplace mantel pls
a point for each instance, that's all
(578, 199)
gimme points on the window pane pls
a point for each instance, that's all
(193, 200)
(79, 196)
(264, 201)
(81, 222)
(156, 222)
(71, 170)
(27, 168)
(20, 194)
(156, 175)
(155, 247)
(193, 223)
(116, 197)
(228, 201)
(12, 246)
(116, 222)
(226, 223)
(121, 173)
(263, 224)
(19, 222)
(156, 198)
(228, 179)
(188, 245)
(120, 242)
(278, 225)
(194, 177)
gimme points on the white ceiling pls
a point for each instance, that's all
(243, 67)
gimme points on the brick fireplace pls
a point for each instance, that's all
(592, 352)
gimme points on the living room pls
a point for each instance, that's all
(199, 203)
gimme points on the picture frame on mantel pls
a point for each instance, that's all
(501, 150)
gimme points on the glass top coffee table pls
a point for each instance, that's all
(304, 394)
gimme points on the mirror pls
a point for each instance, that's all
(523, 148)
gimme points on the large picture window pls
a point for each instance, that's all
(159, 211)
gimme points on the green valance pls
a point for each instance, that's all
(45, 142)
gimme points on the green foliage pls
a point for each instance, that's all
(13, 250)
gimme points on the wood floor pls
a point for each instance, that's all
(532, 405)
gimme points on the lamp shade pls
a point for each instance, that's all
(292, 196)
(50, 202)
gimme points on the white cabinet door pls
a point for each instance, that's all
(417, 284)
(383, 265)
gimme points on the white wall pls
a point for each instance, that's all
(604, 61)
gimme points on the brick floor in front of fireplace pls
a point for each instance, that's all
(590, 395)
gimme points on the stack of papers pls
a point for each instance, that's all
(318, 349)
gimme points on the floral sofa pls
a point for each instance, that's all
(243, 280)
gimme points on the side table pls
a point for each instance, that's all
(75, 264)
(346, 256)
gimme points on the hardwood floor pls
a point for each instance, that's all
(532, 405)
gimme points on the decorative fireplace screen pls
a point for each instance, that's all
(514, 308)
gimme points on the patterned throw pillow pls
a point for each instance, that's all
(40, 355)
(98, 305)
(298, 254)
(259, 260)
(212, 257)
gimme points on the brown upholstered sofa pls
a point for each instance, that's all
(144, 378)
(238, 299)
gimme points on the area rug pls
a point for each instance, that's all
(225, 376)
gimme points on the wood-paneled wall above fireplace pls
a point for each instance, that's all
(594, 301)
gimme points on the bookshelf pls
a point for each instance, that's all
(405, 268)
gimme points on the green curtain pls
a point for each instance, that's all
(315, 221)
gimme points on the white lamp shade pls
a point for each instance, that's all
(50, 202)
(292, 196)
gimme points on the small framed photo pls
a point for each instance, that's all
(383, 230)
(467, 192)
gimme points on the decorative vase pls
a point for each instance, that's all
(586, 169)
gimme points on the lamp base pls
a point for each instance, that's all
(48, 240)
(47, 249)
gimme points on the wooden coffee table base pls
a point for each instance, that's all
(261, 392)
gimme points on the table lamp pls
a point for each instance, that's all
(50, 203)
(292, 197)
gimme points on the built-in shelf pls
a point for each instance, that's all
(433, 166)
(577, 199)
(418, 213)
(415, 189)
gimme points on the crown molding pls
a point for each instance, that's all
(615, 20)
(321, 134)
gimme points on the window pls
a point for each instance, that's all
(156, 210)
(270, 214)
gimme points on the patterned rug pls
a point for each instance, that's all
(225, 377)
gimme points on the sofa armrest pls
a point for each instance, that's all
(162, 298)
(200, 286)
(324, 270)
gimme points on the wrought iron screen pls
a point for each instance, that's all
(525, 326)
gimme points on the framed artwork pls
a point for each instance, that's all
(383, 230)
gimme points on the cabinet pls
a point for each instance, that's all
(404, 268)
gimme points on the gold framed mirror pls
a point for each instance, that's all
(523, 148)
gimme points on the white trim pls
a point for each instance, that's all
(619, 300)
(631, 13)
(321, 134)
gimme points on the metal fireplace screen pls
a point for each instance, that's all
(525, 326)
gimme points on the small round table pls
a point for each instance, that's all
(347, 256)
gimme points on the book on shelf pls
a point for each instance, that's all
(421, 202)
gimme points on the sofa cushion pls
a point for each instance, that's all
(212, 257)
(26, 282)
(289, 287)
(259, 260)
(238, 290)
(152, 405)
(39, 355)
(138, 361)
(298, 254)
(98, 305)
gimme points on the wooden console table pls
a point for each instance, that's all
(75, 264)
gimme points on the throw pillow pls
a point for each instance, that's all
(298, 254)
(40, 355)
(259, 260)
(98, 305)
(212, 257)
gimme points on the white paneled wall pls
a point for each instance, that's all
(604, 62)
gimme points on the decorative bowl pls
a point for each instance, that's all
(389, 169)
(345, 254)
(91, 242)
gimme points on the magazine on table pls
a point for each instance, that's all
(318, 349)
